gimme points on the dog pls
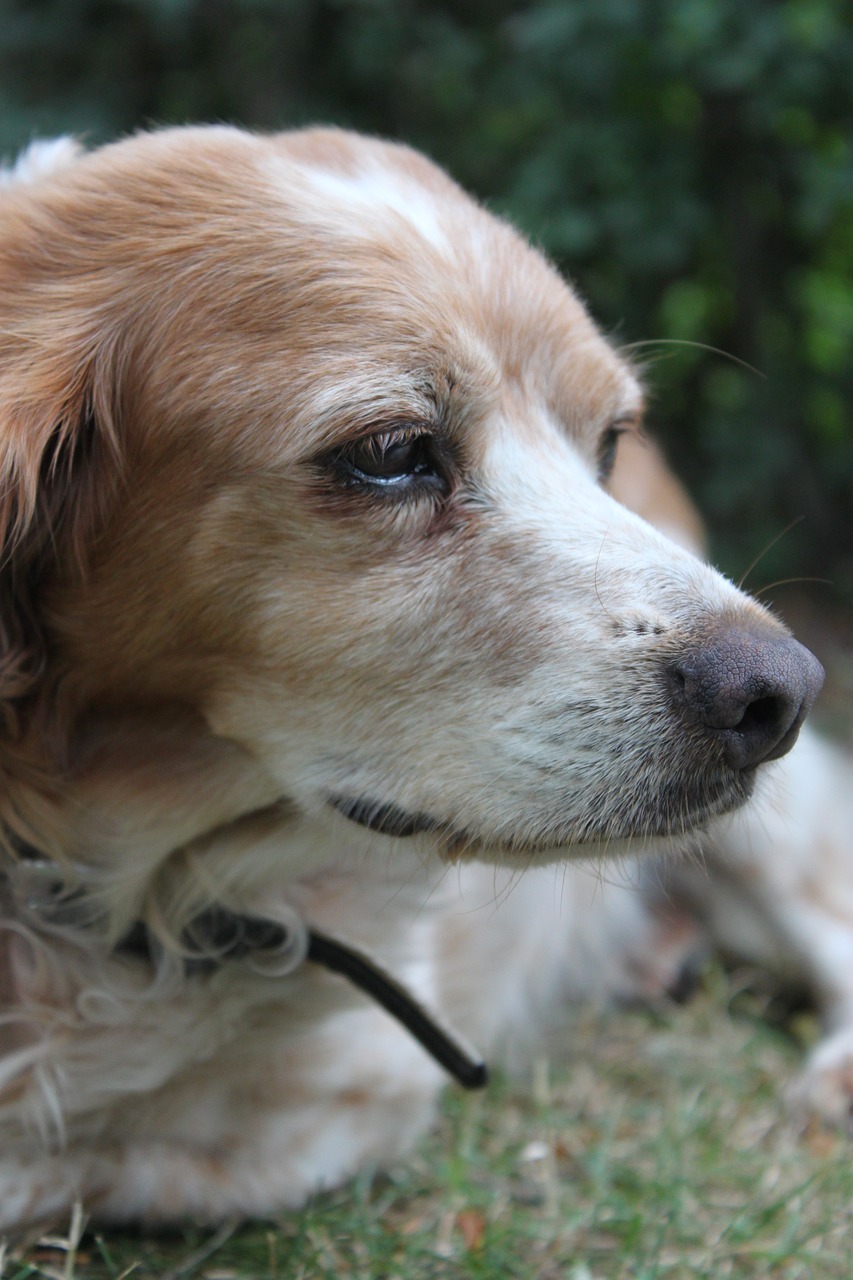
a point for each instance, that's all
(326, 638)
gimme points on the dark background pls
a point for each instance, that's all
(688, 163)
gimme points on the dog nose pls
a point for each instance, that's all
(749, 690)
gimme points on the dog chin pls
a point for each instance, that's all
(666, 821)
(522, 853)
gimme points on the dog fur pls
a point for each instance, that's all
(221, 636)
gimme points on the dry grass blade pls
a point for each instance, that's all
(201, 1255)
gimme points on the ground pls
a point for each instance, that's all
(661, 1147)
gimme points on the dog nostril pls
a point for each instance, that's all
(748, 691)
(762, 715)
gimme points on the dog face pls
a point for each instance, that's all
(301, 440)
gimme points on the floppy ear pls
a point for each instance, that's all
(53, 483)
(57, 454)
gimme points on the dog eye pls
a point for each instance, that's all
(389, 458)
(607, 450)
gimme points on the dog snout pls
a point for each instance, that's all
(749, 691)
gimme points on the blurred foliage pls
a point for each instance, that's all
(687, 162)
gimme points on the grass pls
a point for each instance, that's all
(660, 1148)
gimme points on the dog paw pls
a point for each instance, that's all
(824, 1090)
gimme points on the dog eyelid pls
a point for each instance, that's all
(396, 459)
(609, 443)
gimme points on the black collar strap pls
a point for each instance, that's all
(444, 1045)
(217, 936)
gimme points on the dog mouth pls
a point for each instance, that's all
(678, 808)
(387, 819)
(391, 820)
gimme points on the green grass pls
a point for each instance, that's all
(660, 1147)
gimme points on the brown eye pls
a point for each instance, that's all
(398, 460)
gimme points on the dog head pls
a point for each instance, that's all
(305, 451)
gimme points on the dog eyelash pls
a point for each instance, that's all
(395, 462)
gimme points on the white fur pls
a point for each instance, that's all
(41, 159)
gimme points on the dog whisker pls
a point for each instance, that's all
(699, 346)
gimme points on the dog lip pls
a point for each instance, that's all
(692, 817)
(692, 814)
(388, 819)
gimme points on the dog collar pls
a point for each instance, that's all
(217, 936)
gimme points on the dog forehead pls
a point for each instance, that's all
(366, 186)
(446, 279)
(316, 267)
(373, 203)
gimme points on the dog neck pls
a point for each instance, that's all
(272, 948)
(219, 936)
(144, 781)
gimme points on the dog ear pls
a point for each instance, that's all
(57, 456)
(56, 418)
